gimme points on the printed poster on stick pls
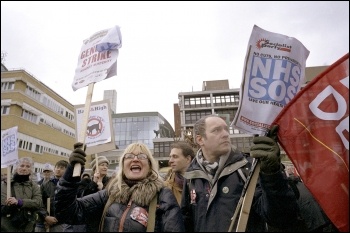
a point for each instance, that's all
(98, 57)
(273, 73)
(9, 148)
(99, 129)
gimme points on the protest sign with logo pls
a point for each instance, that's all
(9, 148)
(99, 130)
(273, 73)
(98, 57)
(97, 61)
(314, 132)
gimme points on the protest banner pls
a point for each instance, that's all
(9, 149)
(273, 73)
(97, 61)
(314, 132)
(98, 57)
(9, 152)
(100, 133)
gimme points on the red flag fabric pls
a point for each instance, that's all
(314, 132)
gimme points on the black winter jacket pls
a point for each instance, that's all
(274, 202)
(73, 210)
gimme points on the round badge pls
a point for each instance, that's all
(225, 189)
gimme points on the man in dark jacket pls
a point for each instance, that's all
(312, 218)
(215, 182)
(46, 218)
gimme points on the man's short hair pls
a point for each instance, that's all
(186, 148)
(62, 163)
(199, 126)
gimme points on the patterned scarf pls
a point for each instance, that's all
(210, 168)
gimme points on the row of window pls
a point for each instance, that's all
(6, 86)
(29, 116)
(205, 101)
(26, 142)
(45, 100)
(33, 93)
(162, 149)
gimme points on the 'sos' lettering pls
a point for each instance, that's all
(9, 145)
(274, 80)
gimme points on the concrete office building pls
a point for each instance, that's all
(217, 98)
(45, 120)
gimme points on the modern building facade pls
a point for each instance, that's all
(140, 127)
(150, 128)
(45, 120)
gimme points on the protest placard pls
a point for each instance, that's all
(99, 130)
(273, 73)
(97, 61)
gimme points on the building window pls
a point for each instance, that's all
(33, 93)
(5, 110)
(162, 149)
(5, 86)
(29, 116)
(192, 117)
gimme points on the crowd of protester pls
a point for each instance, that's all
(200, 192)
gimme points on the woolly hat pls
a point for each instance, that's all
(101, 159)
(47, 167)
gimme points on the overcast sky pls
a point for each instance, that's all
(167, 47)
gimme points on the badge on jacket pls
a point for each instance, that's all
(193, 196)
(140, 215)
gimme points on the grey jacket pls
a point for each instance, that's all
(29, 193)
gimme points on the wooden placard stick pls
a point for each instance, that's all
(97, 169)
(48, 206)
(82, 133)
(8, 180)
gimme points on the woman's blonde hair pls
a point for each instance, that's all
(142, 149)
(114, 186)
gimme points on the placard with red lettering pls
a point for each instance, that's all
(98, 57)
(314, 132)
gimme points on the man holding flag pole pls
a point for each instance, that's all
(274, 72)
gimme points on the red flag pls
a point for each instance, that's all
(314, 132)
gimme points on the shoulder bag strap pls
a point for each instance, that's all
(152, 214)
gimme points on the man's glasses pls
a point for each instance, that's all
(132, 156)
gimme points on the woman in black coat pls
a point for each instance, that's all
(136, 185)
